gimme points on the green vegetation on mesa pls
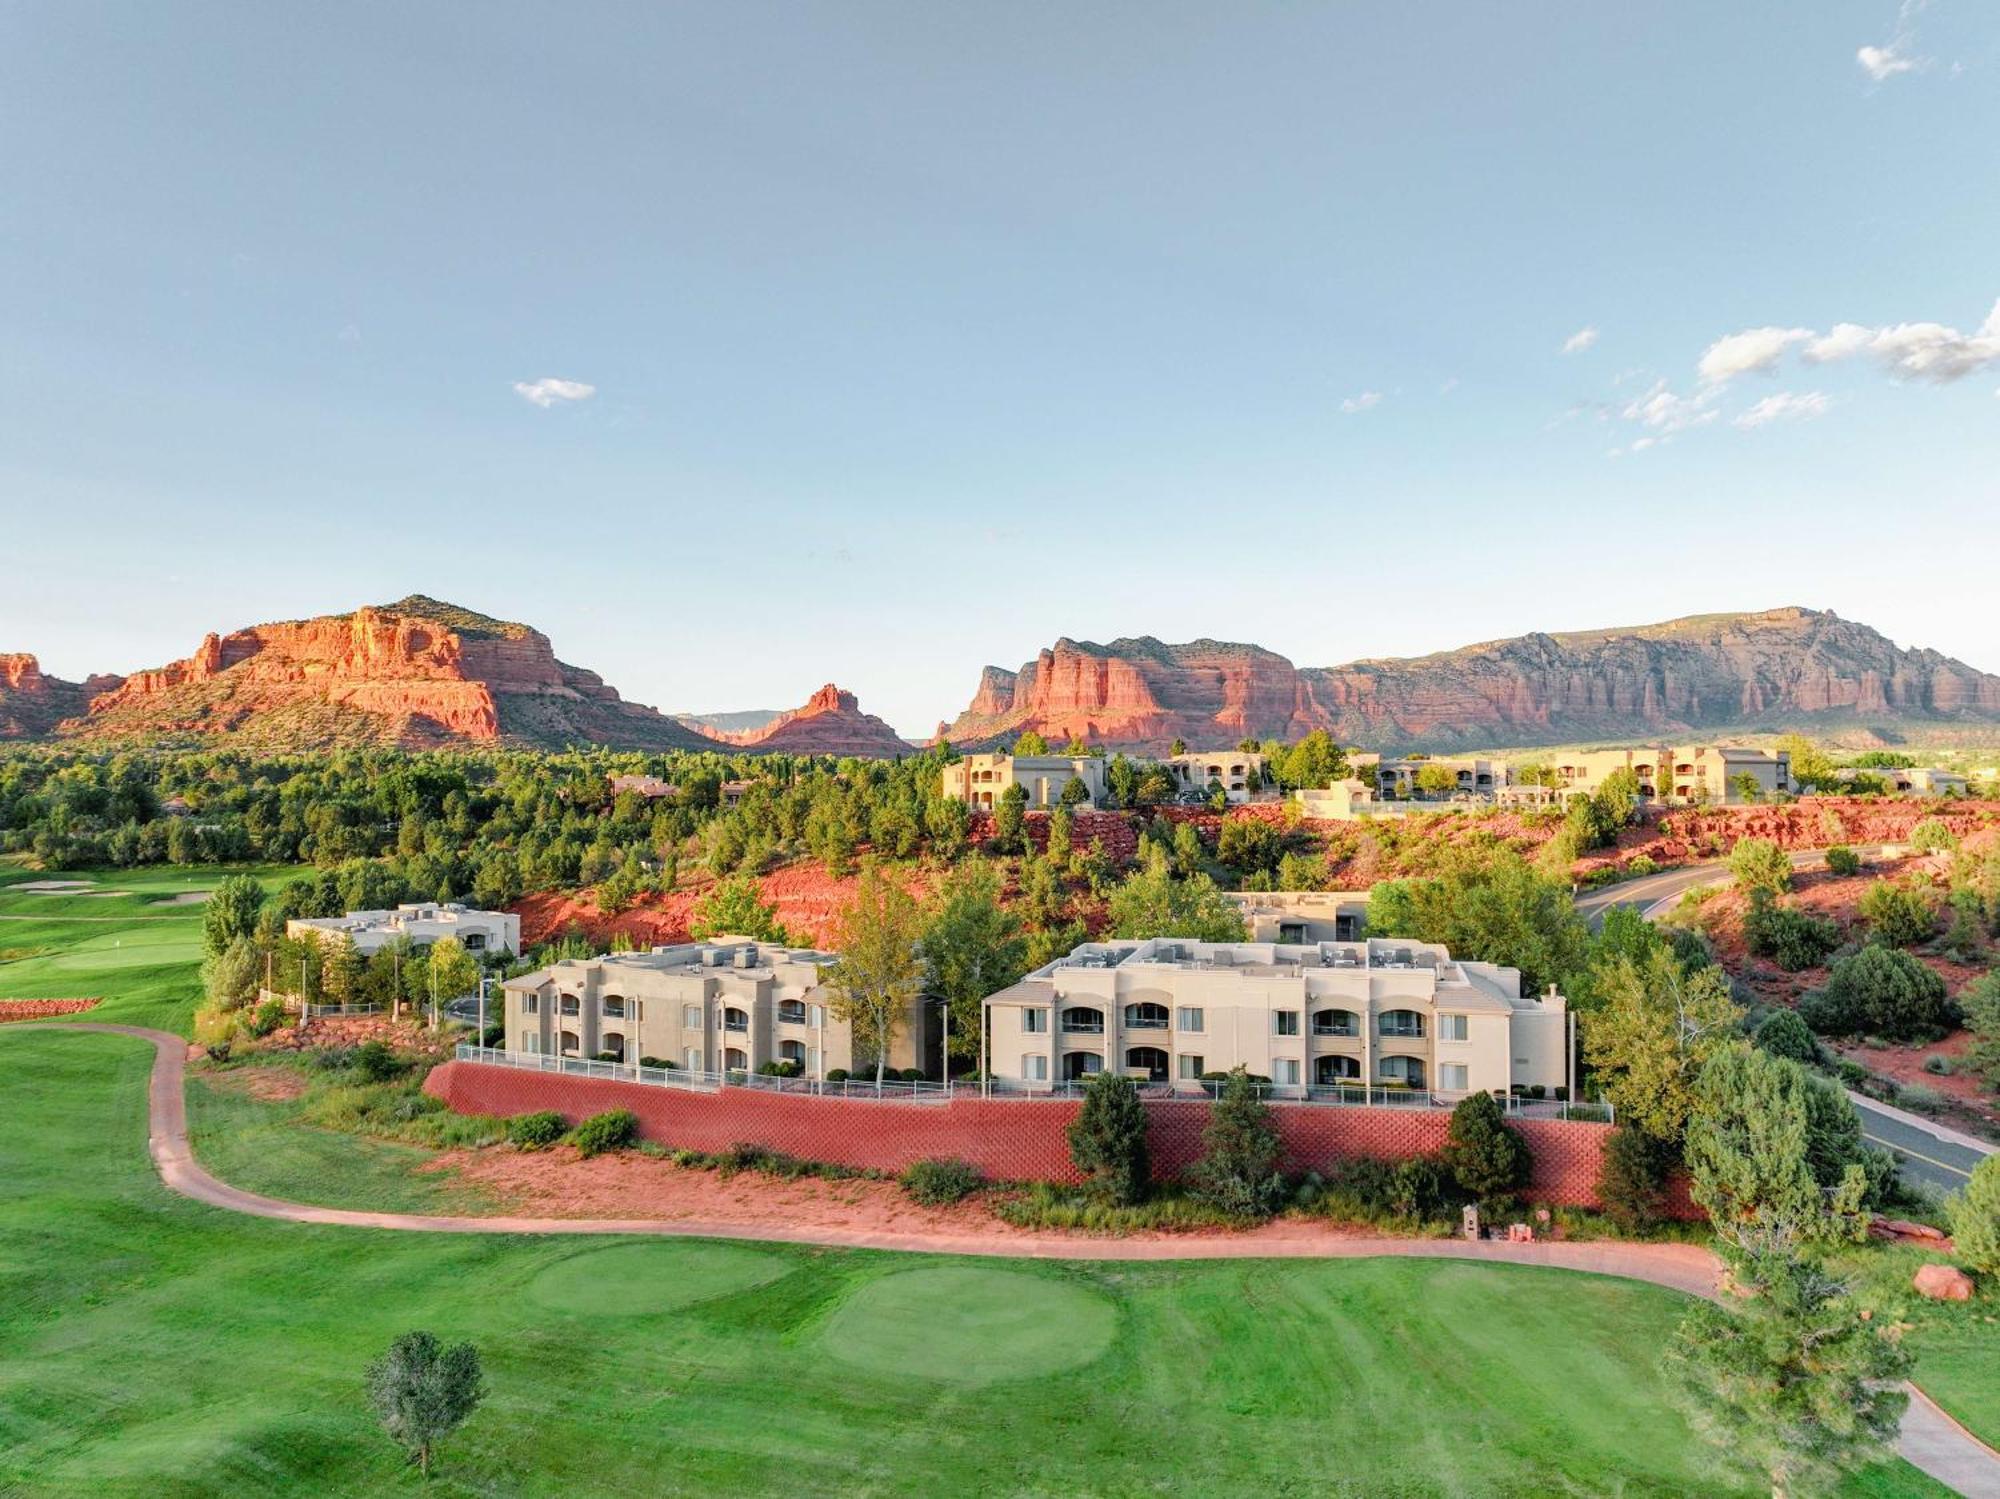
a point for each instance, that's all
(131, 937)
(151, 1346)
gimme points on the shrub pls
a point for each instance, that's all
(1791, 938)
(1045, 1206)
(333, 1058)
(939, 1183)
(374, 1062)
(218, 1051)
(266, 1018)
(1238, 1170)
(536, 1131)
(663, 1063)
(1784, 1034)
(1842, 860)
(1759, 864)
(1639, 865)
(1484, 1156)
(1939, 1066)
(1898, 915)
(1975, 1218)
(780, 1069)
(413, 1106)
(1933, 836)
(1632, 1180)
(836, 1074)
(1880, 991)
(1107, 1139)
(614, 1129)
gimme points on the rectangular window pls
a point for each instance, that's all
(1451, 1077)
(1035, 1069)
(1192, 1067)
(638, 1009)
(1191, 1019)
(530, 1042)
(690, 1017)
(531, 1004)
(691, 1058)
(1285, 1022)
(1034, 1022)
(1285, 1070)
(815, 1015)
(1453, 1028)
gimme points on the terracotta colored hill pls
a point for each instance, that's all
(830, 723)
(1780, 669)
(415, 673)
(32, 703)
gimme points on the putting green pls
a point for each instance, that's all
(638, 1279)
(970, 1326)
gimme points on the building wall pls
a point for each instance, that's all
(981, 780)
(1239, 773)
(480, 931)
(1014, 1140)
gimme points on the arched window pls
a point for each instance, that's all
(1408, 1070)
(734, 1019)
(1146, 1017)
(1151, 1059)
(791, 1012)
(1082, 1020)
(1336, 1023)
(1330, 1070)
(571, 1005)
(736, 1059)
(792, 1051)
(1408, 1023)
(567, 1043)
(613, 1045)
(613, 1006)
(1080, 1064)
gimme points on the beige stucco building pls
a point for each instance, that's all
(1391, 1014)
(981, 780)
(1678, 773)
(729, 1004)
(1912, 780)
(1239, 774)
(480, 932)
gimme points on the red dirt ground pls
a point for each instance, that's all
(42, 1009)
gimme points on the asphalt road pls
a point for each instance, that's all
(1939, 1160)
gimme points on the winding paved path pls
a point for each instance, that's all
(1930, 1439)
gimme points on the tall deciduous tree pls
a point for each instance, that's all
(1490, 907)
(452, 970)
(1656, 1026)
(972, 947)
(1152, 903)
(736, 908)
(230, 911)
(880, 972)
(343, 972)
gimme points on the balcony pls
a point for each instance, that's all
(1082, 1027)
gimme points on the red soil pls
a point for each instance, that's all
(42, 1009)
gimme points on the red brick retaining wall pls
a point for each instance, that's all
(1013, 1140)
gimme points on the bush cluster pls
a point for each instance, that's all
(1898, 915)
(614, 1129)
(1791, 938)
(1842, 860)
(941, 1182)
(536, 1131)
(1880, 991)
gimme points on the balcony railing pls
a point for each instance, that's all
(1083, 1028)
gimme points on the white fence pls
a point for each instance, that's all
(693, 1081)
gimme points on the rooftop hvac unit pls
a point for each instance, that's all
(713, 957)
(746, 957)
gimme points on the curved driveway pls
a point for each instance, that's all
(1929, 1439)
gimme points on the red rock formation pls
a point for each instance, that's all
(414, 673)
(830, 723)
(1784, 668)
(32, 703)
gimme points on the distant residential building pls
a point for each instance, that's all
(1706, 773)
(423, 923)
(1302, 916)
(1322, 1014)
(981, 780)
(732, 792)
(1354, 800)
(1238, 774)
(1398, 776)
(730, 1004)
(650, 787)
(1911, 780)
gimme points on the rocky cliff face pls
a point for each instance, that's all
(830, 723)
(415, 673)
(1781, 669)
(32, 703)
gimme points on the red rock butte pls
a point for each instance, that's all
(830, 723)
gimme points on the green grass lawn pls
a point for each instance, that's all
(123, 938)
(149, 1346)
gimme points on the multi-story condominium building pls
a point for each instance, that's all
(1238, 774)
(479, 932)
(1710, 773)
(1386, 1013)
(1302, 916)
(732, 1004)
(1911, 780)
(981, 780)
(1354, 800)
(1398, 776)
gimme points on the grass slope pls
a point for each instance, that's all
(150, 1346)
(124, 939)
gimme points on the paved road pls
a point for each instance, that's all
(1650, 890)
(1929, 1439)
(1941, 1157)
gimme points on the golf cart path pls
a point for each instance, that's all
(1930, 1439)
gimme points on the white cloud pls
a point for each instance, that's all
(1915, 351)
(1366, 401)
(1785, 406)
(548, 390)
(1580, 340)
(1755, 350)
(1884, 63)
(1662, 411)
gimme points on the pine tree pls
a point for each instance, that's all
(1107, 1139)
(1238, 1169)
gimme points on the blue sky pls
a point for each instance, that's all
(915, 336)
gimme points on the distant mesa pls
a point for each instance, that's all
(1775, 670)
(418, 673)
(830, 723)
